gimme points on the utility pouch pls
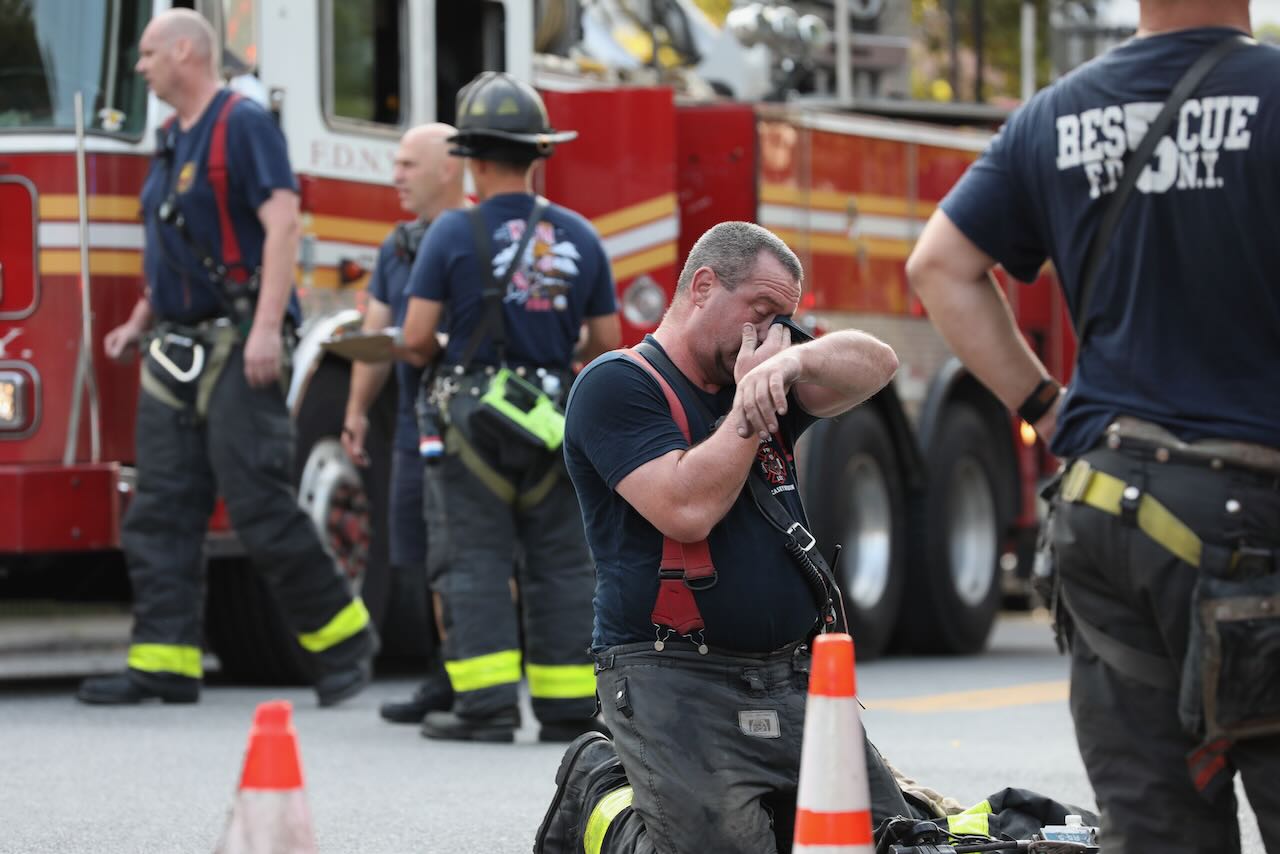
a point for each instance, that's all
(1231, 673)
(517, 409)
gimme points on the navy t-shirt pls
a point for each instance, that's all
(257, 165)
(389, 285)
(617, 420)
(1185, 328)
(563, 278)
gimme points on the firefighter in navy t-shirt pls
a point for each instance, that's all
(211, 416)
(1171, 425)
(428, 182)
(707, 726)
(498, 492)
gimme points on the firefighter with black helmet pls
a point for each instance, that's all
(512, 282)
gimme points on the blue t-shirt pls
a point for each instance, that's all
(617, 419)
(1186, 309)
(389, 285)
(257, 165)
(563, 278)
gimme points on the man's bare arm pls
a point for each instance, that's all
(279, 218)
(420, 323)
(953, 279)
(367, 380)
(604, 333)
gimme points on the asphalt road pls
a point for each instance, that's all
(162, 778)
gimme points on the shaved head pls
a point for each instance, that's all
(427, 179)
(184, 25)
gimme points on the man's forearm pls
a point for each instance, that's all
(842, 369)
(709, 477)
(975, 320)
(140, 317)
(367, 380)
(279, 249)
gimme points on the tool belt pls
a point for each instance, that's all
(183, 363)
(1135, 435)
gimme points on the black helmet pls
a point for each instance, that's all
(500, 118)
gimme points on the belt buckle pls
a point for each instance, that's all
(1076, 481)
(803, 530)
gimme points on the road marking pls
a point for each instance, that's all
(1028, 694)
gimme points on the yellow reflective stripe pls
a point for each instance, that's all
(607, 809)
(484, 671)
(981, 808)
(166, 658)
(561, 681)
(968, 825)
(350, 621)
(1101, 491)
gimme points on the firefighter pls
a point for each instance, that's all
(221, 211)
(515, 279)
(705, 691)
(1166, 524)
(428, 182)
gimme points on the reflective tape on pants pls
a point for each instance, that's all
(166, 658)
(348, 622)
(606, 810)
(965, 824)
(561, 681)
(484, 671)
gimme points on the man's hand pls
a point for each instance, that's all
(117, 342)
(262, 356)
(354, 430)
(761, 395)
(1048, 423)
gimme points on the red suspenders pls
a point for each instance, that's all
(685, 567)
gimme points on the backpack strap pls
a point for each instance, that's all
(685, 567)
(217, 172)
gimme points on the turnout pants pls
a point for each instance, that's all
(242, 448)
(1124, 583)
(711, 747)
(479, 526)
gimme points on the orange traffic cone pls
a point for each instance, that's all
(833, 805)
(270, 814)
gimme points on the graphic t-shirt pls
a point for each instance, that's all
(1185, 327)
(257, 164)
(617, 420)
(563, 278)
(389, 285)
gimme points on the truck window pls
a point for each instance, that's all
(469, 39)
(364, 55)
(45, 59)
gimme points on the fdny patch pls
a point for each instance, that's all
(773, 466)
(186, 177)
(760, 724)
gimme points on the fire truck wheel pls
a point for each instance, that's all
(955, 544)
(858, 502)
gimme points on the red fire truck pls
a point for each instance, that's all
(930, 487)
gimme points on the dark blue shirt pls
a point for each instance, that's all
(389, 285)
(257, 164)
(563, 279)
(617, 420)
(1186, 309)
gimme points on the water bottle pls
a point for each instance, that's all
(1075, 830)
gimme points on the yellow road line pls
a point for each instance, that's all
(621, 220)
(1029, 694)
(119, 208)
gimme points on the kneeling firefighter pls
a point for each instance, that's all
(512, 281)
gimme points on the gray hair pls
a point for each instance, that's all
(731, 249)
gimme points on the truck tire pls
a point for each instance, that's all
(245, 627)
(858, 502)
(956, 531)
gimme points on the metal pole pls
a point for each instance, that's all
(1028, 49)
(954, 25)
(844, 55)
(979, 30)
(84, 378)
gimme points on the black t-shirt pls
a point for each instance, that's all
(257, 164)
(1186, 309)
(389, 285)
(563, 279)
(617, 420)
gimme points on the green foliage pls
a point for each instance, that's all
(1002, 48)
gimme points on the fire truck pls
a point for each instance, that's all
(929, 487)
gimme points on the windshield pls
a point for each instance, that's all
(50, 49)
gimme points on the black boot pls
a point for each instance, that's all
(336, 684)
(131, 688)
(449, 726)
(589, 770)
(566, 731)
(433, 695)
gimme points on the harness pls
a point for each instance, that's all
(687, 568)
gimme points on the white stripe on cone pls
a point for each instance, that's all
(833, 766)
(268, 822)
